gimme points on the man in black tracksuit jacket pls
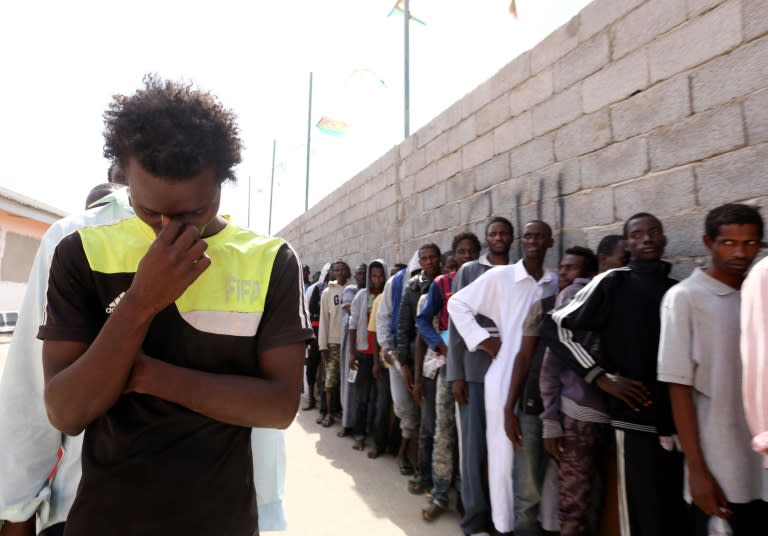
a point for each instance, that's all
(622, 306)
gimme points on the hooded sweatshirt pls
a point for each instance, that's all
(361, 307)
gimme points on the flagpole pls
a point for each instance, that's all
(271, 187)
(406, 66)
(309, 132)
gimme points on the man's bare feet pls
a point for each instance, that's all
(344, 432)
(373, 454)
(359, 444)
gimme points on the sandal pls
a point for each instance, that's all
(327, 421)
(418, 487)
(405, 465)
(359, 444)
(320, 418)
(374, 453)
(432, 512)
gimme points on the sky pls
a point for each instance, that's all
(63, 61)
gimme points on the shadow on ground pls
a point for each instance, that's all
(334, 489)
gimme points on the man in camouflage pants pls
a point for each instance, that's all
(432, 324)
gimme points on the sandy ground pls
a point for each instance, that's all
(332, 489)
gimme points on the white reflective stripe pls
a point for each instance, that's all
(624, 527)
(224, 322)
(566, 335)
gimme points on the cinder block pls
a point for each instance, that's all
(615, 163)
(407, 146)
(413, 163)
(426, 177)
(663, 194)
(598, 14)
(755, 18)
(557, 111)
(434, 196)
(586, 134)
(546, 210)
(461, 185)
(616, 81)
(683, 234)
(492, 114)
(736, 176)
(449, 165)
(531, 92)
(663, 104)
(585, 60)
(585, 209)
(646, 23)
(559, 179)
(508, 196)
(387, 197)
(426, 134)
(448, 216)
(407, 186)
(511, 75)
(756, 115)
(556, 45)
(732, 76)
(491, 172)
(477, 151)
(435, 149)
(697, 41)
(423, 222)
(475, 208)
(390, 175)
(512, 133)
(595, 234)
(476, 99)
(461, 134)
(386, 216)
(696, 7)
(700, 136)
(535, 154)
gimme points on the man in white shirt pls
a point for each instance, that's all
(503, 294)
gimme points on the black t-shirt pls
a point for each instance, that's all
(153, 467)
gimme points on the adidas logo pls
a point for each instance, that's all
(114, 303)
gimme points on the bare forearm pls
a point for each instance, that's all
(684, 413)
(232, 399)
(418, 357)
(78, 393)
(21, 528)
(352, 341)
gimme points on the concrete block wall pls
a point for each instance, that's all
(633, 105)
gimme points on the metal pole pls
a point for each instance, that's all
(309, 137)
(271, 187)
(406, 73)
(248, 218)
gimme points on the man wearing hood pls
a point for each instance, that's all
(362, 346)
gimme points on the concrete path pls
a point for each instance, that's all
(334, 490)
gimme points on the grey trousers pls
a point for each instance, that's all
(474, 488)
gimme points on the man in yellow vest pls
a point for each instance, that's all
(170, 333)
